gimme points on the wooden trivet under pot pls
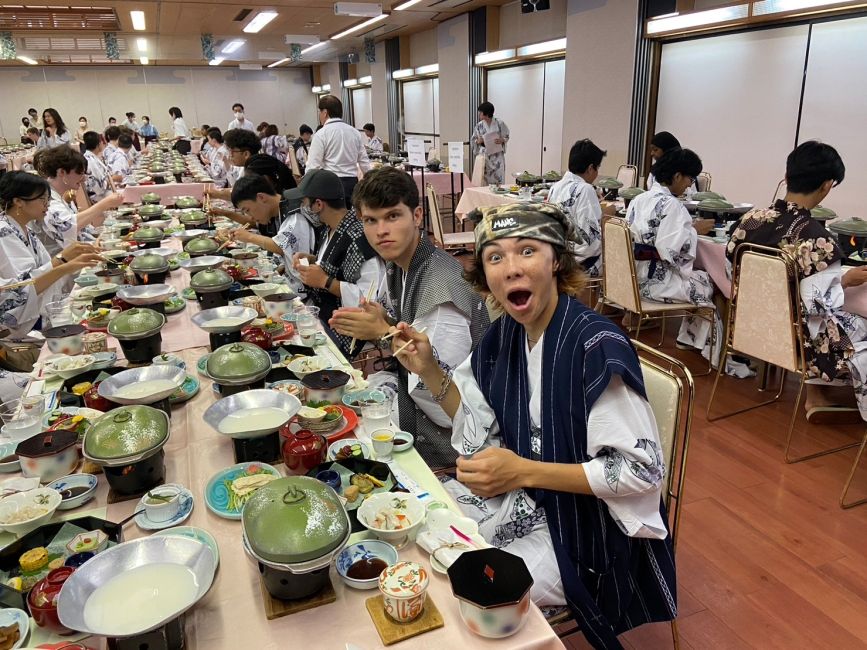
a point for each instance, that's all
(390, 631)
(275, 608)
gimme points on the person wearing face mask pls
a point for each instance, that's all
(148, 131)
(25, 124)
(240, 121)
(345, 267)
(65, 170)
(98, 183)
(34, 118)
(575, 195)
(82, 129)
(24, 198)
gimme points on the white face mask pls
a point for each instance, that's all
(312, 217)
(82, 123)
(238, 115)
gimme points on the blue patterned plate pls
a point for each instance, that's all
(192, 532)
(187, 391)
(217, 496)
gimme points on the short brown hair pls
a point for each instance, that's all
(50, 161)
(570, 275)
(332, 105)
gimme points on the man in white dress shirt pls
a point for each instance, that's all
(374, 142)
(338, 147)
(240, 122)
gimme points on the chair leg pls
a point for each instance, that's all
(675, 636)
(775, 398)
(852, 504)
(637, 327)
(824, 452)
(661, 331)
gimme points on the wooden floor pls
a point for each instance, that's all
(765, 558)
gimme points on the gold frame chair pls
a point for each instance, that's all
(620, 287)
(293, 164)
(447, 240)
(755, 261)
(782, 185)
(703, 182)
(633, 173)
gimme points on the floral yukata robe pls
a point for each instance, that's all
(495, 163)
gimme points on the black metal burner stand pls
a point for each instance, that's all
(262, 449)
(219, 340)
(169, 637)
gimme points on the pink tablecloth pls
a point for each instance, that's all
(710, 256)
(134, 193)
(481, 197)
(441, 181)
(196, 145)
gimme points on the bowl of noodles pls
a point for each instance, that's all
(20, 513)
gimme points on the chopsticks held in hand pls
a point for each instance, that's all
(407, 344)
(395, 332)
(243, 226)
(18, 285)
(373, 286)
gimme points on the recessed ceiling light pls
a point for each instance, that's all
(365, 80)
(26, 59)
(144, 60)
(360, 26)
(542, 48)
(280, 62)
(138, 20)
(231, 46)
(142, 44)
(402, 74)
(313, 47)
(406, 5)
(216, 61)
(261, 19)
(428, 69)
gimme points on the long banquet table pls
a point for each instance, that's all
(133, 193)
(232, 615)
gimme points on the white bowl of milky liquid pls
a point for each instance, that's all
(137, 586)
(252, 413)
(142, 385)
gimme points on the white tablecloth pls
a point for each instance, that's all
(134, 193)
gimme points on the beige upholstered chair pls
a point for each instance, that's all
(764, 322)
(780, 191)
(628, 175)
(703, 182)
(293, 164)
(620, 284)
(478, 177)
(446, 240)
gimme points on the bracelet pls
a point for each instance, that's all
(328, 282)
(62, 259)
(445, 384)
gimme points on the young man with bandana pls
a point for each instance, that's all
(424, 285)
(344, 268)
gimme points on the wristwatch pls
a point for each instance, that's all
(62, 259)
(328, 282)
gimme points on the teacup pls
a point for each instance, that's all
(162, 504)
(383, 443)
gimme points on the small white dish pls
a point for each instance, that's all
(186, 507)
(12, 616)
(8, 449)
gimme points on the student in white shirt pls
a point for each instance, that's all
(121, 165)
(180, 130)
(660, 144)
(302, 145)
(98, 183)
(55, 132)
(130, 123)
(338, 147)
(374, 142)
(25, 124)
(240, 121)
(34, 118)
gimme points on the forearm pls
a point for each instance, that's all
(44, 281)
(434, 379)
(92, 216)
(558, 477)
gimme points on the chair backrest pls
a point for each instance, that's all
(780, 191)
(386, 148)
(703, 182)
(434, 211)
(628, 175)
(478, 178)
(619, 282)
(765, 309)
(670, 392)
(293, 163)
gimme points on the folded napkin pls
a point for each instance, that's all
(443, 544)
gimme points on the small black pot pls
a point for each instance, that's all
(285, 585)
(151, 244)
(219, 340)
(142, 350)
(154, 277)
(261, 449)
(226, 391)
(139, 477)
(213, 299)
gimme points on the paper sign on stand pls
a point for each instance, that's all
(456, 157)
(415, 152)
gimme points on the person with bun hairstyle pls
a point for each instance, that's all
(665, 245)
(24, 199)
(55, 132)
(65, 169)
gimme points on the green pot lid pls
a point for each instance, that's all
(149, 262)
(294, 519)
(149, 234)
(630, 192)
(126, 434)
(126, 209)
(714, 205)
(192, 216)
(151, 209)
(608, 183)
(822, 213)
(150, 197)
(187, 202)
(552, 175)
(857, 227)
(238, 363)
(701, 196)
(527, 176)
(137, 322)
(211, 280)
(201, 245)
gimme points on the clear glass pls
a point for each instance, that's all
(59, 312)
(18, 424)
(383, 443)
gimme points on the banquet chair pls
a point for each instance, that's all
(764, 322)
(671, 393)
(478, 177)
(449, 241)
(628, 175)
(703, 181)
(780, 191)
(293, 164)
(620, 285)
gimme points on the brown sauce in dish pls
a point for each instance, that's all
(366, 569)
(8, 459)
(74, 491)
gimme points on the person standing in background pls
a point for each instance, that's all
(180, 131)
(82, 129)
(54, 132)
(494, 131)
(130, 123)
(338, 148)
(34, 118)
(302, 146)
(240, 121)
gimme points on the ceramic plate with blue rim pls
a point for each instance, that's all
(202, 365)
(187, 391)
(188, 294)
(12, 616)
(174, 304)
(8, 449)
(103, 360)
(187, 502)
(217, 496)
(191, 532)
(83, 483)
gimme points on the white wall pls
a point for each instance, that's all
(379, 98)
(361, 107)
(423, 48)
(453, 43)
(523, 29)
(204, 94)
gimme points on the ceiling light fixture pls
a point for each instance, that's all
(697, 19)
(216, 61)
(261, 19)
(542, 48)
(144, 60)
(326, 88)
(493, 57)
(231, 46)
(26, 59)
(276, 63)
(138, 20)
(142, 44)
(316, 89)
(765, 7)
(360, 26)
(348, 83)
(433, 68)
(406, 5)
(313, 47)
(300, 39)
(365, 80)
(402, 74)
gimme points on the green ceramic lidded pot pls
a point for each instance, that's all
(210, 281)
(126, 435)
(149, 263)
(201, 246)
(149, 235)
(822, 213)
(701, 196)
(238, 364)
(151, 210)
(151, 197)
(136, 323)
(187, 202)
